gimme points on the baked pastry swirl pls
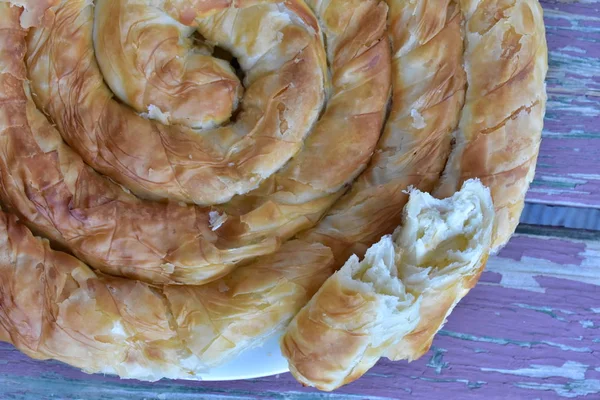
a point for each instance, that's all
(212, 202)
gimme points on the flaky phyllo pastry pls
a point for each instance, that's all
(206, 166)
(393, 301)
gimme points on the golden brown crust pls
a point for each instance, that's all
(146, 58)
(416, 139)
(58, 195)
(500, 129)
(54, 306)
(319, 364)
(281, 104)
(223, 318)
(62, 310)
(342, 141)
(109, 230)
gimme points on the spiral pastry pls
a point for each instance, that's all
(210, 163)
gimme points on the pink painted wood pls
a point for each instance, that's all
(567, 171)
(529, 330)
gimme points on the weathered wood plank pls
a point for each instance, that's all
(563, 216)
(530, 329)
(568, 172)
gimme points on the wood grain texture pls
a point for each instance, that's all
(530, 329)
(563, 216)
(567, 171)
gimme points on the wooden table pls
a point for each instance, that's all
(529, 330)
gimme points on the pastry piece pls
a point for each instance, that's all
(53, 306)
(393, 301)
(501, 123)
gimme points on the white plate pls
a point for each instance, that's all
(255, 363)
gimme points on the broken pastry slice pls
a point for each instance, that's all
(394, 301)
